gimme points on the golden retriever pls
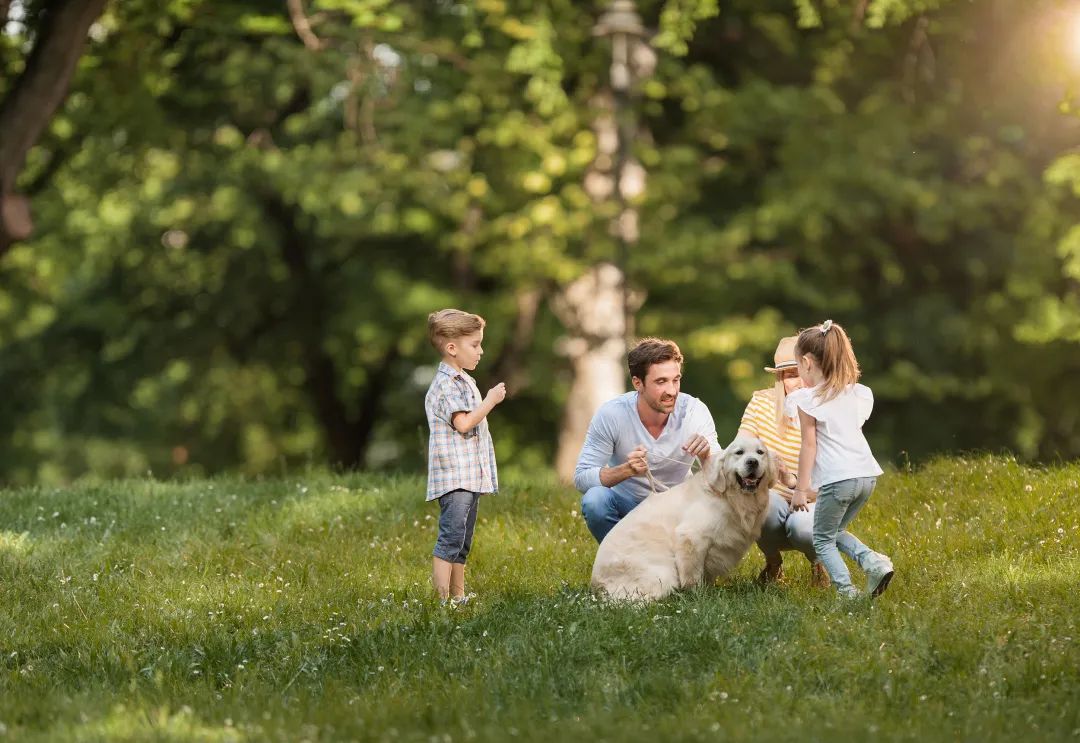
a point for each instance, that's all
(693, 533)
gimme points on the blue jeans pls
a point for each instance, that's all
(457, 519)
(838, 504)
(602, 508)
(785, 529)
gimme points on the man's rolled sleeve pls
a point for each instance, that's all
(595, 455)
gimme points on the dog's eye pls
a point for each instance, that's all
(761, 452)
(739, 453)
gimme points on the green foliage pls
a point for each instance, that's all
(678, 21)
(883, 12)
(239, 236)
(293, 608)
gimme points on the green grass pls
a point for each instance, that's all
(299, 609)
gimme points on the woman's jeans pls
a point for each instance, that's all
(785, 529)
(838, 503)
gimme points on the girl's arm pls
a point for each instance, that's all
(807, 455)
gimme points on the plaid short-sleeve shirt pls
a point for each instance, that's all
(457, 461)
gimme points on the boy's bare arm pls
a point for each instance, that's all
(467, 421)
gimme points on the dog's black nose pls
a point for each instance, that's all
(752, 463)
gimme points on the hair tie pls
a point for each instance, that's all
(826, 327)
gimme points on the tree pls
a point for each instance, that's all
(58, 31)
(245, 225)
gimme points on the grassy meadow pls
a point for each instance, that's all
(299, 609)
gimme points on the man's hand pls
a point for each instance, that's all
(496, 394)
(635, 465)
(697, 446)
(636, 461)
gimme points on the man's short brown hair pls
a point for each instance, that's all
(649, 351)
(449, 325)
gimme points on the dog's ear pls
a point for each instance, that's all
(729, 465)
(772, 471)
(714, 468)
(717, 471)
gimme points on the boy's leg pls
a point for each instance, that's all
(457, 572)
(602, 508)
(774, 538)
(440, 577)
(829, 511)
(457, 580)
(453, 517)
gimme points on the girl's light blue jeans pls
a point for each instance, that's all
(838, 503)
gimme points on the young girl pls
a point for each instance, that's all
(834, 457)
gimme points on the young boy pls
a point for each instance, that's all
(461, 456)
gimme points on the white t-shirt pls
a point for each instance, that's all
(842, 451)
(616, 430)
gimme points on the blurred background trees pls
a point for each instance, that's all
(243, 213)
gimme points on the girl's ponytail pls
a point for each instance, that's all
(830, 346)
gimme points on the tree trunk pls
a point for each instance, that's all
(34, 98)
(509, 366)
(347, 436)
(591, 309)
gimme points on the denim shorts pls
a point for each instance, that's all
(457, 519)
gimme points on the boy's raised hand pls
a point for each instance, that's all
(496, 394)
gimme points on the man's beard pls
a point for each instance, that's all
(660, 406)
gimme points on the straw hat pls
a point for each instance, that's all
(784, 358)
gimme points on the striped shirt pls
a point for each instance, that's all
(457, 461)
(760, 420)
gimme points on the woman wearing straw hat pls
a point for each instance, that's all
(784, 529)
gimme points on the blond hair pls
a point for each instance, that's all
(831, 349)
(450, 324)
(779, 396)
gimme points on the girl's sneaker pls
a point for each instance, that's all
(457, 601)
(879, 575)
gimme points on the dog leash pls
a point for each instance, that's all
(652, 480)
